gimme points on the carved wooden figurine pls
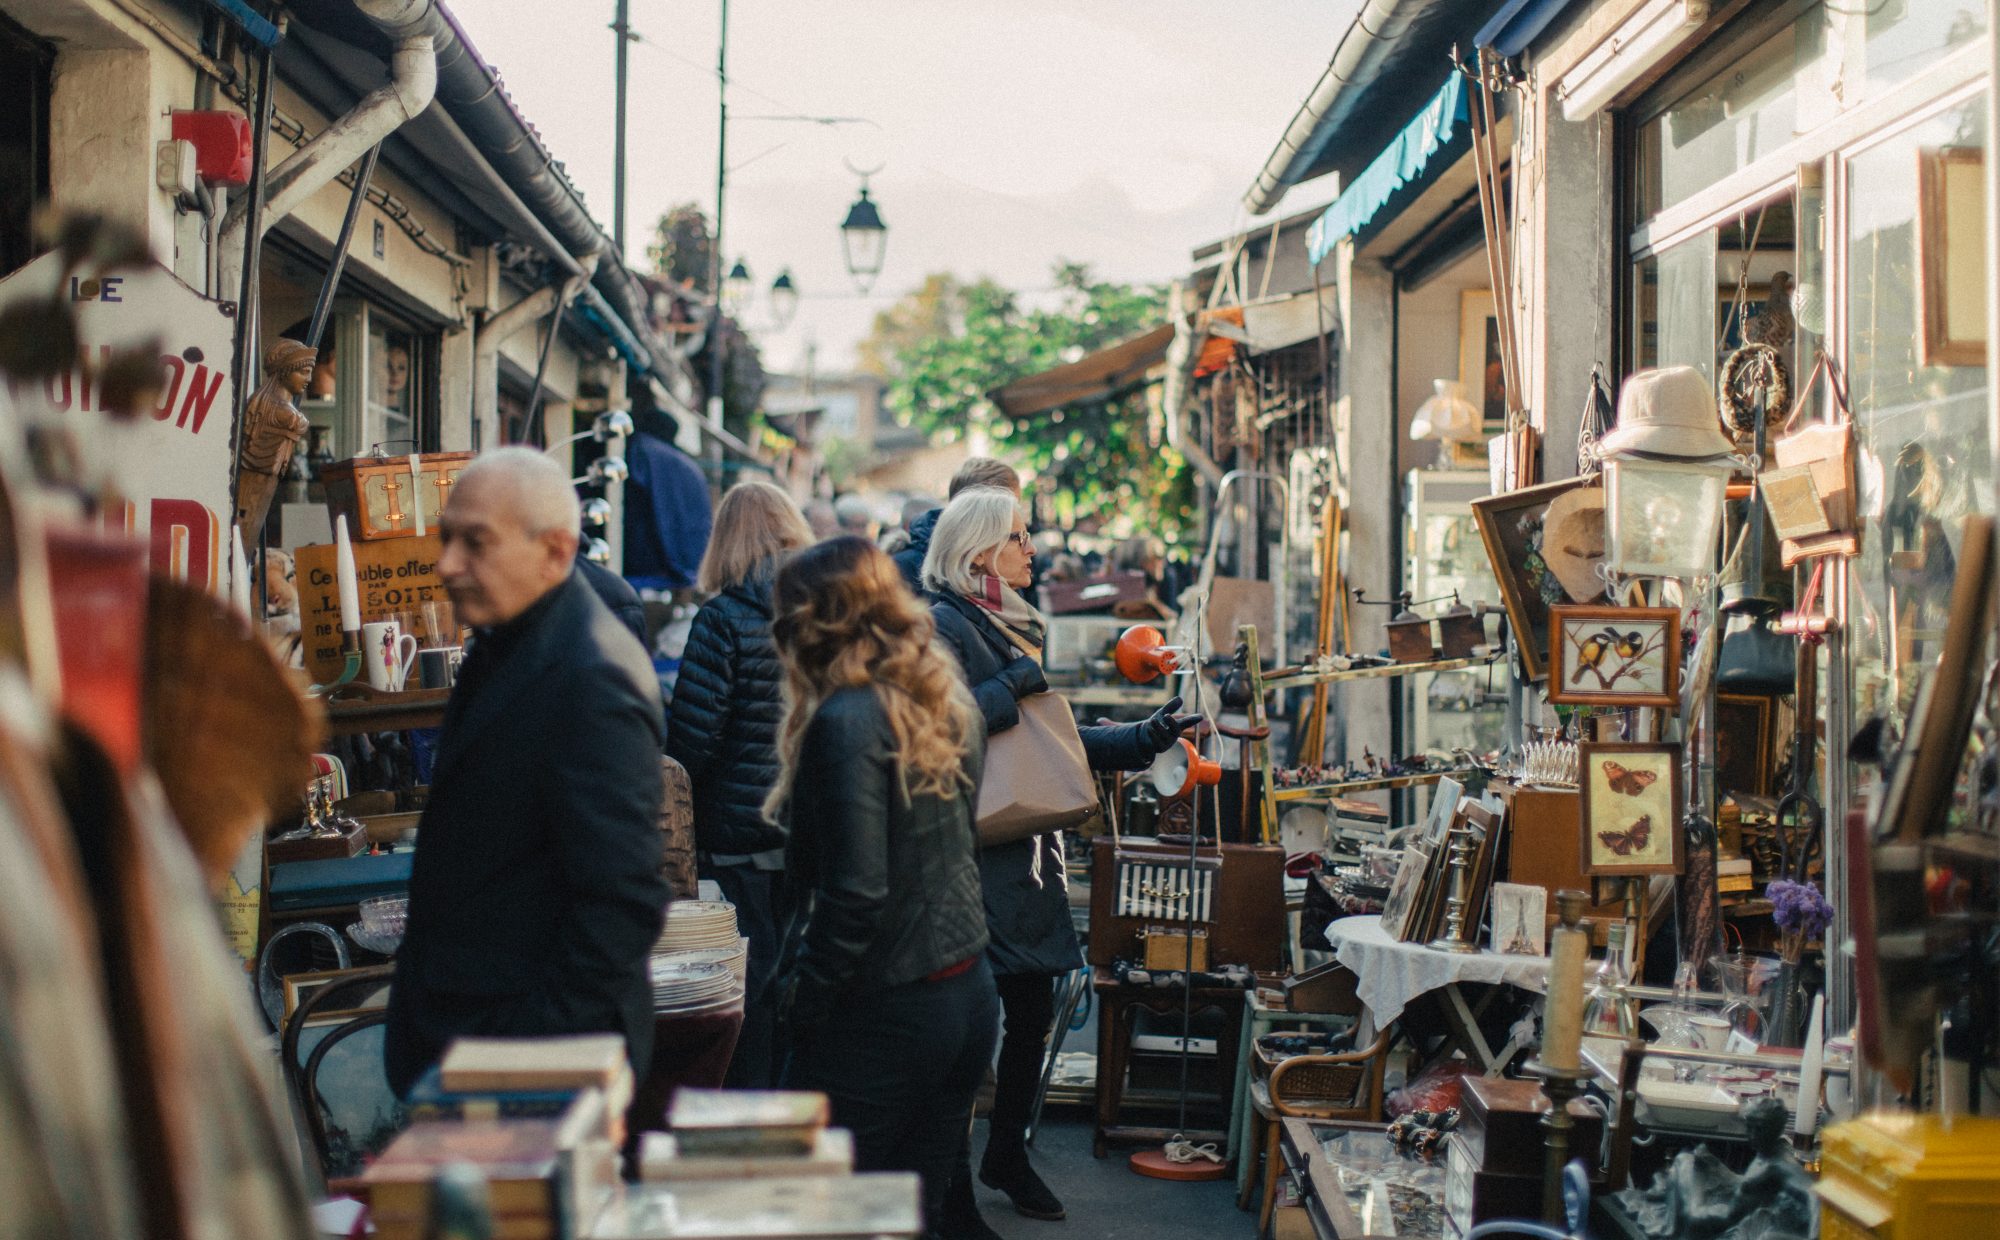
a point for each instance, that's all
(272, 429)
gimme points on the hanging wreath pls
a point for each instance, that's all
(1751, 371)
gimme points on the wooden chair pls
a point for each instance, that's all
(345, 995)
(1344, 1086)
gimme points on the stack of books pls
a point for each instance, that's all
(864, 1207)
(1732, 874)
(496, 1078)
(735, 1134)
(545, 1177)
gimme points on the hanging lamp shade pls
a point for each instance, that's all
(863, 239)
(1449, 414)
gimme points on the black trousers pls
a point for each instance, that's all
(755, 893)
(1028, 1005)
(900, 1067)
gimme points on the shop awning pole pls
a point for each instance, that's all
(324, 305)
(244, 363)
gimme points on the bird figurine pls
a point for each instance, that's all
(1591, 653)
(1773, 323)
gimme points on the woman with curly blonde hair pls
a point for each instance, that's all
(884, 987)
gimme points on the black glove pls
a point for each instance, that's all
(1162, 728)
(1022, 677)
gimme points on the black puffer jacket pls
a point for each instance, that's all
(724, 727)
(1027, 895)
(883, 883)
(911, 558)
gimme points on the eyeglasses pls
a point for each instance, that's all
(1020, 539)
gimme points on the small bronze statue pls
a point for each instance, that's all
(1697, 1198)
(272, 429)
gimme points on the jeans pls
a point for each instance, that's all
(755, 893)
(900, 1067)
(1028, 1001)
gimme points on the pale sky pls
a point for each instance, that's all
(1120, 133)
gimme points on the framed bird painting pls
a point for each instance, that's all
(1632, 802)
(1615, 656)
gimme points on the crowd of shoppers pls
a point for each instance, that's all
(832, 712)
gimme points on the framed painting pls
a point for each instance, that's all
(1615, 656)
(1951, 255)
(1404, 891)
(1479, 366)
(1520, 919)
(1511, 525)
(1744, 741)
(1632, 802)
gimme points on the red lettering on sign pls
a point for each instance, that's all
(199, 398)
(198, 528)
(176, 370)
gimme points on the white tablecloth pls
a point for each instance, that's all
(1394, 973)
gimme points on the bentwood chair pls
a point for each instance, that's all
(1345, 1086)
(359, 997)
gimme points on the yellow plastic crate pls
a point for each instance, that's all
(1898, 1176)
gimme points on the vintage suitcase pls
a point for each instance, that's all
(379, 496)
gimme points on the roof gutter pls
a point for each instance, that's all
(1376, 30)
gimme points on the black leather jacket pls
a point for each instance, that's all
(723, 725)
(883, 883)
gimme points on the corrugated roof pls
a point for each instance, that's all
(1095, 377)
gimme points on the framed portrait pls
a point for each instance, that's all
(1404, 891)
(1632, 801)
(1479, 366)
(1615, 656)
(1512, 525)
(1743, 743)
(1520, 919)
(1951, 256)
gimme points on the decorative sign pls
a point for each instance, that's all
(397, 577)
(172, 466)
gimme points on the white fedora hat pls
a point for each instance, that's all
(1667, 412)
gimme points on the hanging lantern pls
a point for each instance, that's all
(863, 238)
(1663, 518)
(784, 299)
(736, 290)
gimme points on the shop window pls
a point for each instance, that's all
(1926, 456)
(391, 396)
(25, 62)
(1780, 73)
(374, 384)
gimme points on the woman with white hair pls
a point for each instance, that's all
(979, 556)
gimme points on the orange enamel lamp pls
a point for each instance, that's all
(1178, 771)
(1143, 655)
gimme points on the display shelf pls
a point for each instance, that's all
(1320, 792)
(1297, 678)
(355, 709)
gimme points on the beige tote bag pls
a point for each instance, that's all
(1037, 776)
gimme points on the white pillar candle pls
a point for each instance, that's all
(417, 493)
(239, 574)
(1806, 1116)
(343, 571)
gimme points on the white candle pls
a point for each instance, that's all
(1562, 1009)
(417, 493)
(343, 571)
(1806, 1118)
(239, 574)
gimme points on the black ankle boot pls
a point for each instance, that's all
(1006, 1168)
(960, 1218)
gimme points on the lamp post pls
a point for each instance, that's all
(784, 299)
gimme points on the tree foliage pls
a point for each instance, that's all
(680, 251)
(946, 345)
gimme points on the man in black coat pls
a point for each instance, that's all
(536, 894)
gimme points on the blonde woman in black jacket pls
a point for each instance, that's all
(886, 998)
(723, 727)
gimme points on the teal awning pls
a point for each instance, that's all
(1400, 163)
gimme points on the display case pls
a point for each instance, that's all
(1442, 553)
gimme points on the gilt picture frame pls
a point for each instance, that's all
(1632, 801)
(1511, 527)
(1615, 656)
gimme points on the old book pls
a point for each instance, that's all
(746, 1122)
(429, 1099)
(517, 1156)
(882, 1203)
(495, 1065)
(662, 1159)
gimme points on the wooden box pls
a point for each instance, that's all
(1100, 593)
(1545, 848)
(1500, 1125)
(1167, 948)
(1246, 922)
(349, 843)
(379, 495)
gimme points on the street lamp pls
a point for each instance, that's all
(784, 299)
(863, 237)
(736, 290)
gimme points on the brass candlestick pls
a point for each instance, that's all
(1561, 1085)
(1457, 935)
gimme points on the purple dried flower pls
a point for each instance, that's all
(1798, 907)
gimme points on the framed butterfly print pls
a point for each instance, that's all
(1632, 801)
(1615, 656)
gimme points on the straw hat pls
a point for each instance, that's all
(1573, 542)
(1667, 412)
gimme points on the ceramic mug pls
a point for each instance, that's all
(388, 653)
(437, 667)
(1712, 1032)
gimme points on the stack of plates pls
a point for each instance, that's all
(737, 958)
(697, 925)
(681, 985)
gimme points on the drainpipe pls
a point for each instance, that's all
(533, 308)
(1178, 385)
(412, 84)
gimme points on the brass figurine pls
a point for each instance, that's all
(272, 429)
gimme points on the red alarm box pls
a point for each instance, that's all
(221, 145)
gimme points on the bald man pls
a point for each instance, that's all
(536, 893)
